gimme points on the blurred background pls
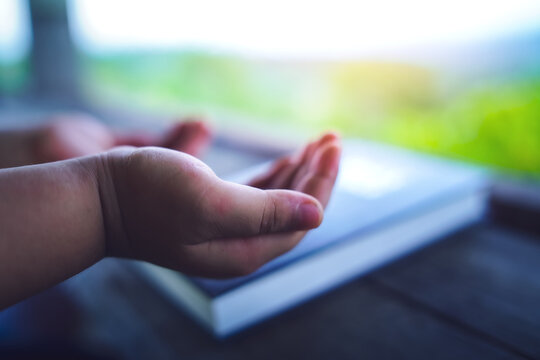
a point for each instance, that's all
(459, 79)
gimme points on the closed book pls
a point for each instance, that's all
(387, 202)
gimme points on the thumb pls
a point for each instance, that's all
(242, 211)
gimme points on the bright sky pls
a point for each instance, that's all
(295, 28)
(275, 28)
(15, 37)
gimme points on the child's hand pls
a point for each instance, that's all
(75, 135)
(154, 204)
(171, 209)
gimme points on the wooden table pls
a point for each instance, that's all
(473, 295)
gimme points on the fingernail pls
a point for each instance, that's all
(308, 215)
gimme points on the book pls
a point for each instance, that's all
(387, 202)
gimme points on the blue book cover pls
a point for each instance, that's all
(377, 185)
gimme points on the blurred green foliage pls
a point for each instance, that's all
(14, 76)
(494, 120)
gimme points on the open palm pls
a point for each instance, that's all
(312, 171)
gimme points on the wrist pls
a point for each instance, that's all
(105, 168)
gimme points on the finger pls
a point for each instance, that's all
(283, 178)
(190, 137)
(235, 210)
(136, 139)
(224, 258)
(66, 138)
(263, 181)
(285, 170)
(306, 163)
(321, 177)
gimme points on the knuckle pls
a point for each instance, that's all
(269, 215)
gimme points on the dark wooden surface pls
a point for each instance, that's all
(473, 295)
